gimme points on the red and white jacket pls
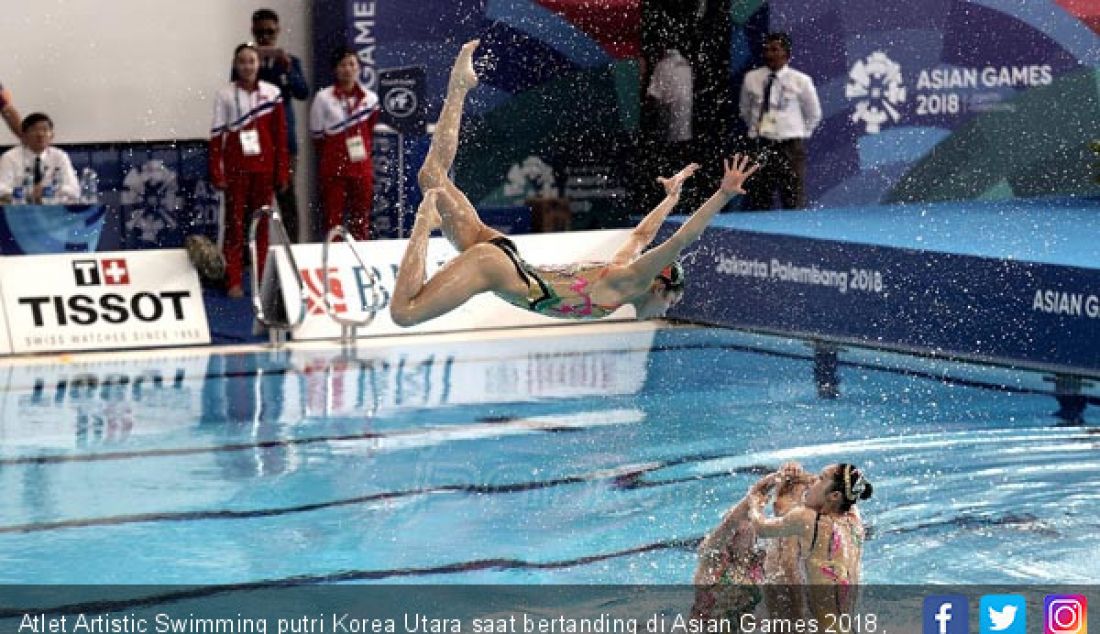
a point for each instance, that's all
(237, 109)
(334, 117)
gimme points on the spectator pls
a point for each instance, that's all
(248, 156)
(36, 172)
(341, 122)
(285, 71)
(780, 107)
(8, 111)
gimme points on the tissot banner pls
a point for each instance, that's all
(352, 287)
(127, 299)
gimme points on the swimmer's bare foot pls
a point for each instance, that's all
(429, 210)
(463, 75)
(673, 184)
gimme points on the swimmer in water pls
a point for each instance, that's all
(731, 565)
(785, 585)
(488, 261)
(734, 573)
(827, 535)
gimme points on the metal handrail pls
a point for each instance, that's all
(348, 326)
(277, 327)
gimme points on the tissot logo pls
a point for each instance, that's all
(113, 308)
(109, 271)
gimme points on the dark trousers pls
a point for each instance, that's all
(288, 204)
(783, 170)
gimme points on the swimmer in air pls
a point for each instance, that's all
(651, 281)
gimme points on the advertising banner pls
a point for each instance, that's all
(974, 307)
(945, 99)
(401, 91)
(102, 301)
(352, 287)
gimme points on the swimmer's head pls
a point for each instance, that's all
(837, 489)
(666, 291)
(672, 277)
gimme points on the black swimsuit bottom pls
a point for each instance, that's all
(526, 272)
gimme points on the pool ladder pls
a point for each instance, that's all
(278, 329)
(378, 299)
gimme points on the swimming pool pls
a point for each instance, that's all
(576, 454)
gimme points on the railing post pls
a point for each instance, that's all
(278, 330)
(348, 326)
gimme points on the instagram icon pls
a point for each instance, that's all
(1065, 614)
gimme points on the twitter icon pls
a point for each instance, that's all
(1002, 614)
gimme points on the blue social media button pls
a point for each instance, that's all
(1002, 614)
(945, 614)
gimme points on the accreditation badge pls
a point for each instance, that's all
(357, 150)
(769, 124)
(250, 142)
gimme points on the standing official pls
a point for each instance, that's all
(781, 109)
(341, 122)
(284, 70)
(248, 157)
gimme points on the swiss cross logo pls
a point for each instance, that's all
(314, 281)
(109, 271)
(114, 271)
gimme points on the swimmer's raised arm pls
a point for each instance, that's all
(647, 229)
(644, 269)
(796, 522)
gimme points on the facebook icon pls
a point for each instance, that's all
(946, 614)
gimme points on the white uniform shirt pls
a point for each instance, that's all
(331, 116)
(794, 103)
(671, 86)
(236, 109)
(17, 170)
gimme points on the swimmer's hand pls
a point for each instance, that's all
(737, 172)
(763, 487)
(792, 473)
(674, 184)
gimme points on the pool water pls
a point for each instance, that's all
(554, 455)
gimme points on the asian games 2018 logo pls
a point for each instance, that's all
(877, 84)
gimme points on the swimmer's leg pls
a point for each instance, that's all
(481, 268)
(461, 224)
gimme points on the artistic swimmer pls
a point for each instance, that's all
(488, 261)
(735, 573)
(828, 535)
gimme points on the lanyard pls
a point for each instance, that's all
(349, 106)
(237, 102)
